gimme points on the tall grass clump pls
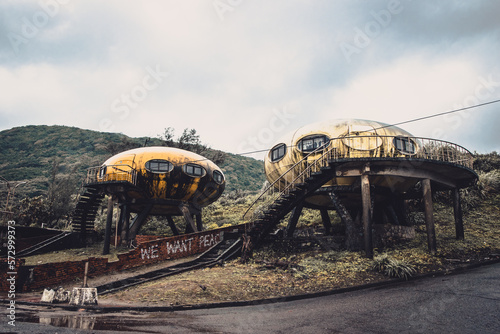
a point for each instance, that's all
(393, 267)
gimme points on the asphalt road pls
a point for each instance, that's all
(465, 303)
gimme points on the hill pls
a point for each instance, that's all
(36, 154)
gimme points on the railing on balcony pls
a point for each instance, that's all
(362, 148)
(111, 173)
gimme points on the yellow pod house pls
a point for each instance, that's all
(161, 181)
(362, 169)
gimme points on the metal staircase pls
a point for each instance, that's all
(280, 197)
(86, 211)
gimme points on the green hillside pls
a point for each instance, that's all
(34, 153)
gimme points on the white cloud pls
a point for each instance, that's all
(226, 77)
(407, 89)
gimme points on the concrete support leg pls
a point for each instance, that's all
(138, 221)
(124, 233)
(429, 217)
(392, 215)
(199, 222)
(294, 218)
(119, 224)
(366, 215)
(327, 223)
(171, 223)
(457, 209)
(352, 226)
(109, 221)
(189, 219)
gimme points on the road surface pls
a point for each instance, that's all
(464, 303)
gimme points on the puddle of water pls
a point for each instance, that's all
(86, 322)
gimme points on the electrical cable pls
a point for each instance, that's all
(439, 114)
(389, 125)
(404, 122)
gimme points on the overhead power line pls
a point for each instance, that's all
(404, 122)
(439, 114)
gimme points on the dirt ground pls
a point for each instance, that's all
(275, 272)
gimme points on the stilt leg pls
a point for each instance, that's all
(367, 216)
(429, 217)
(107, 231)
(294, 218)
(457, 209)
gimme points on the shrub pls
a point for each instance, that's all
(393, 267)
(488, 183)
(487, 162)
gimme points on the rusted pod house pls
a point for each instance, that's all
(365, 170)
(161, 181)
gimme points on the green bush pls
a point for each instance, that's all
(488, 183)
(393, 267)
(487, 162)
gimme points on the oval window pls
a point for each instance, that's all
(404, 145)
(363, 141)
(277, 152)
(102, 171)
(312, 143)
(159, 166)
(218, 177)
(194, 170)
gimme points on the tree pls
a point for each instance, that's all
(190, 140)
(167, 137)
(33, 211)
(61, 189)
(124, 144)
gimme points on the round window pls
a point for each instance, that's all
(277, 152)
(218, 177)
(159, 166)
(312, 143)
(194, 170)
(404, 145)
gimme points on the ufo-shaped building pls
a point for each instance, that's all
(160, 181)
(364, 170)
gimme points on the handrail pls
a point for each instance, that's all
(119, 172)
(336, 149)
(272, 186)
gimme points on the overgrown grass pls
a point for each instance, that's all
(393, 267)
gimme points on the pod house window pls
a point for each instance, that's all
(102, 172)
(404, 145)
(311, 143)
(194, 170)
(159, 166)
(278, 152)
(218, 177)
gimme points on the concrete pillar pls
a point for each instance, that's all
(199, 222)
(429, 217)
(171, 223)
(138, 221)
(326, 221)
(189, 219)
(457, 209)
(124, 232)
(352, 226)
(294, 218)
(109, 222)
(366, 215)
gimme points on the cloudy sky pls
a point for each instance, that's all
(245, 72)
